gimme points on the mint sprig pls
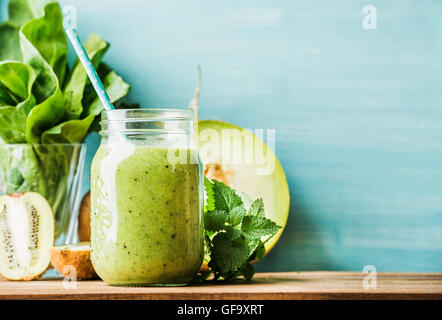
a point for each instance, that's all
(235, 232)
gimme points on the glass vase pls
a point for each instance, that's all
(52, 170)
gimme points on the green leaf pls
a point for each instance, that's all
(255, 227)
(253, 244)
(246, 200)
(22, 169)
(260, 251)
(71, 131)
(54, 162)
(16, 80)
(14, 179)
(96, 47)
(12, 125)
(16, 99)
(233, 232)
(49, 109)
(232, 235)
(47, 36)
(228, 256)
(9, 42)
(21, 11)
(248, 271)
(44, 116)
(116, 89)
(257, 208)
(6, 97)
(225, 197)
(209, 203)
(215, 220)
(236, 215)
(90, 95)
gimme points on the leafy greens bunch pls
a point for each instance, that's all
(42, 100)
(236, 231)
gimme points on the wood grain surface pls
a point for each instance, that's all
(265, 286)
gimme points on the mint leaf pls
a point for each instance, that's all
(227, 256)
(233, 232)
(257, 208)
(225, 197)
(260, 251)
(210, 199)
(215, 220)
(256, 227)
(253, 245)
(236, 215)
(248, 271)
(246, 200)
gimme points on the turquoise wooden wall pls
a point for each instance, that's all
(357, 113)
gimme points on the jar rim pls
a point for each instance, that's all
(146, 114)
(147, 121)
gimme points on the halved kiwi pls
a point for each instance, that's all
(84, 219)
(26, 235)
(74, 258)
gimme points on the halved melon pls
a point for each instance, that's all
(244, 162)
(26, 235)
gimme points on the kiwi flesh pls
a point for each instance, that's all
(27, 231)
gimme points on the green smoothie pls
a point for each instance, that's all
(146, 223)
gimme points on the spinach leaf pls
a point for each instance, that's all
(47, 35)
(49, 109)
(9, 42)
(21, 11)
(96, 47)
(13, 125)
(71, 131)
(22, 168)
(44, 116)
(116, 89)
(6, 98)
(16, 80)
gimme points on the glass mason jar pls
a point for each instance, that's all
(147, 199)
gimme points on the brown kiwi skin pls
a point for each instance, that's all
(84, 219)
(32, 277)
(80, 259)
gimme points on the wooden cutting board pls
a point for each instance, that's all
(284, 286)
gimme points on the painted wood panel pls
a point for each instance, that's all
(357, 113)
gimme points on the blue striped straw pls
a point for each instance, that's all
(90, 70)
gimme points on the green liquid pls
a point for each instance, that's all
(146, 223)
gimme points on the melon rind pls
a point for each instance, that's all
(272, 188)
